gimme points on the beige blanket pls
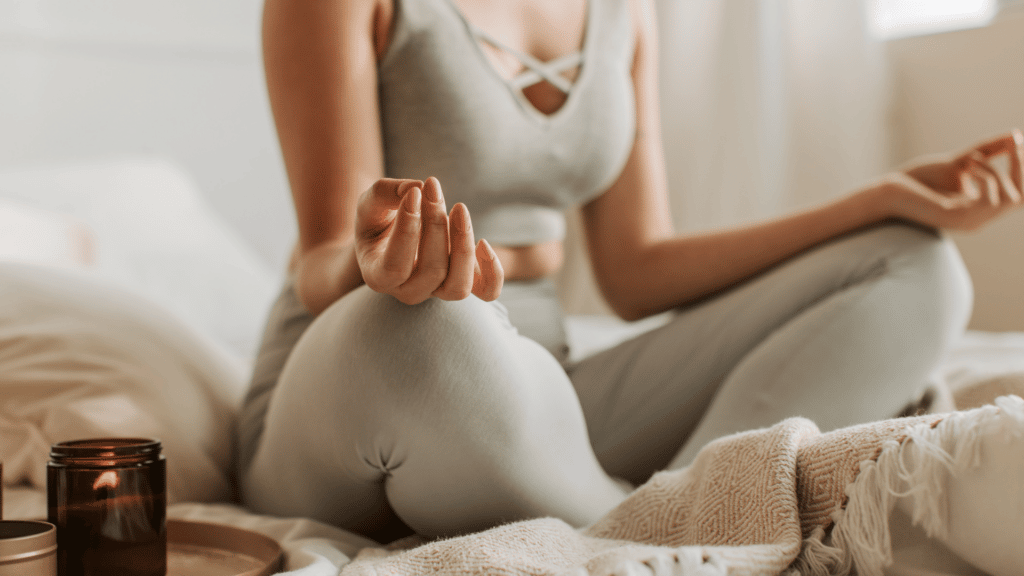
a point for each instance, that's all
(782, 500)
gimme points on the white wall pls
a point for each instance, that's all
(952, 90)
(183, 80)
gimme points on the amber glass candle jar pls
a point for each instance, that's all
(108, 499)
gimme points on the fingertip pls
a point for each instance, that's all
(489, 275)
(412, 201)
(435, 193)
(492, 256)
(495, 292)
(968, 186)
(406, 185)
(460, 218)
(432, 191)
(483, 247)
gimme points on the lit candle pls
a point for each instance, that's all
(107, 498)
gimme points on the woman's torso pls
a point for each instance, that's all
(516, 154)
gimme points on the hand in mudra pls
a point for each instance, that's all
(962, 191)
(408, 246)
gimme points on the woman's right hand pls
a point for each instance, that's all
(408, 246)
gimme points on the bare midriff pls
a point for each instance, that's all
(518, 262)
(530, 262)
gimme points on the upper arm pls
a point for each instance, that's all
(320, 58)
(634, 212)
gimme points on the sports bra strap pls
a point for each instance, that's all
(531, 76)
(537, 70)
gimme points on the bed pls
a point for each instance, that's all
(128, 307)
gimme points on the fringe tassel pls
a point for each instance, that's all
(816, 557)
(917, 468)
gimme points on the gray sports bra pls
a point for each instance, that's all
(446, 112)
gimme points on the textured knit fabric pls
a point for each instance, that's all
(783, 500)
(446, 112)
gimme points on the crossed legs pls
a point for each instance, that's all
(845, 333)
(442, 415)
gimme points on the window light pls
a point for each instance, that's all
(898, 18)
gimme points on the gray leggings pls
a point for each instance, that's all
(447, 416)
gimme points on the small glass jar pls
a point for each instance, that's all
(108, 499)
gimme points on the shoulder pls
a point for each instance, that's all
(350, 18)
(341, 13)
(355, 20)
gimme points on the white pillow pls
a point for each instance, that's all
(157, 234)
(961, 482)
(81, 358)
(29, 234)
(986, 501)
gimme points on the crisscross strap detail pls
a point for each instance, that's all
(537, 70)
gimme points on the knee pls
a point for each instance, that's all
(924, 277)
(376, 322)
(400, 352)
(931, 263)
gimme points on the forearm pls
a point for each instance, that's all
(324, 274)
(681, 269)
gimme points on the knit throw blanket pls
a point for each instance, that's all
(782, 500)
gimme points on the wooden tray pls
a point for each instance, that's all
(205, 549)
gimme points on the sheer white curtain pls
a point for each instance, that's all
(766, 105)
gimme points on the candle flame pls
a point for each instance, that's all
(108, 479)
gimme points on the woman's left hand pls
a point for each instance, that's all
(961, 192)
